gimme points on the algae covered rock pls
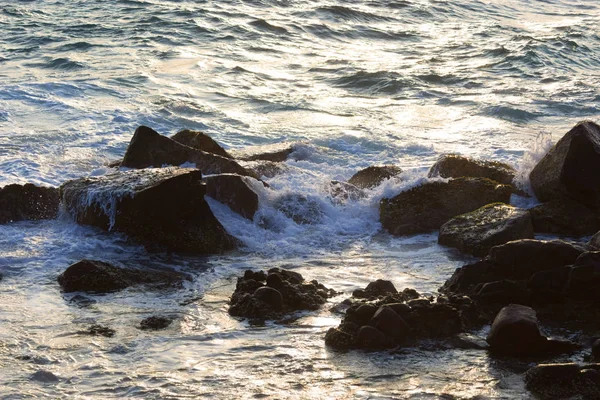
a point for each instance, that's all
(200, 141)
(28, 202)
(491, 225)
(371, 177)
(427, 207)
(455, 166)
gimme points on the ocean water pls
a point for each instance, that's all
(355, 83)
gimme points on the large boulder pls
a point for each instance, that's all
(564, 381)
(101, 277)
(427, 207)
(28, 202)
(163, 207)
(566, 217)
(234, 190)
(570, 168)
(274, 152)
(148, 148)
(200, 141)
(372, 176)
(455, 166)
(491, 225)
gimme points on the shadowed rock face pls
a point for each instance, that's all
(28, 202)
(491, 225)
(570, 168)
(516, 332)
(150, 149)
(562, 381)
(427, 207)
(371, 177)
(455, 166)
(235, 191)
(200, 141)
(274, 152)
(160, 207)
(565, 217)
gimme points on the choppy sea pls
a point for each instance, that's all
(356, 83)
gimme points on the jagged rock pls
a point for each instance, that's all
(570, 168)
(455, 166)
(564, 381)
(274, 152)
(341, 192)
(371, 177)
(270, 296)
(566, 217)
(428, 206)
(304, 210)
(155, 323)
(200, 141)
(101, 277)
(28, 202)
(159, 207)
(515, 260)
(235, 191)
(491, 225)
(148, 148)
(378, 288)
(265, 169)
(99, 330)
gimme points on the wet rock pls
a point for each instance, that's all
(501, 293)
(373, 176)
(82, 301)
(303, 210)
(148, 148)
(491, 225)
(594, 243)
(371, 338)
(584, 277)
(562, 381)
(565, 217)
(271, 296)
(266, 169)
(99, 330)
(549, 285)
(455, 166)
(378, 288)
(390, 323)
(44, 377)
(274, 152)
(101, 277)
(200, 141)
(155, 323)
(596, 350)
(570, 168)
(159, 207)
(234, 190)
(427, 207)
(341, 192)
(28, 202)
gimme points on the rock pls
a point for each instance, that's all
(338, 339)
(566, 217)
(378, 288)
(570, 168)
(284, 292)
(28, 202)
(491, 225)
(594, 243)
(155, 322)
(427, 207)
(266, 169)
(371, 338)
(562, 381)
(235, 191)
(549, 285)
(341, 192)
(101, 277)
(99, 330)
(200, 141)
(389, 322)
(303, 210)
(455, 166)
(148, 148)
(278, 152)
(504, 292)
(44, 377)
(584, 277)
(159, 207)
(596, 350)
(373, 176)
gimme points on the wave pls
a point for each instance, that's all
(62, 63)
(265, 26)
(374, 83)
(350, 14)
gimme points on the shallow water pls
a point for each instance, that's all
(358, 83)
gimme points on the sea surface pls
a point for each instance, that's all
(355, 83)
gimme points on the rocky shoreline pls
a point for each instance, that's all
(155, 196)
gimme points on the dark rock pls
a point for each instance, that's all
(584, 277)
(549, 285)
(200, 141)
(566, 217)
(265, 169)
(516, 332)
(44, 377)
(361, 313)
(275, 281)
(155, 323)
(455, 166)
(99, 330)
(596, 350)
(82, 301)
(338, 339)
(373, 176)
(163, 207)
(491, 225)
(561, 381)
(341, 192)
(371, 338)
(148, 148)
(570, 168)
(235, 191)
(427, 207)
(504, 292)
(389, 322)
(378, 288)
(275, 152)
(28, 202)
(303, 210)
(270, 296)
(594, 243)
(101, 277)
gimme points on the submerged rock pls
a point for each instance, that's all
(44, 377)
(235, 191)
(274, 152)
(28, 202)
(266, 169)
(564, 381)
(101, 277)
(341, 192)
(570, 168)
(99, 330)
(373, 176)
(270, 296)
(566, 217)
(160, 207)
(148, 148)
(427, 207)
(455, 166)
(303, 210)
(200, 141)
(155, 322)
(491, 225)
